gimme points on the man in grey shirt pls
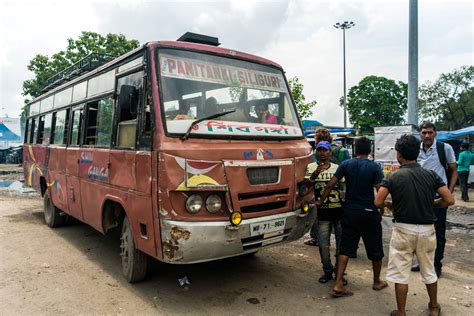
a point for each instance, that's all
(429, 159)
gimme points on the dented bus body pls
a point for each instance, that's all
(136, 145)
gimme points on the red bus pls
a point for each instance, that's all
(194, 152)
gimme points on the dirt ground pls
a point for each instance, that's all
(76, 270)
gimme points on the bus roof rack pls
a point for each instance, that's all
(199, 38)
(88, 63)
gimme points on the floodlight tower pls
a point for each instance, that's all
(344, 26)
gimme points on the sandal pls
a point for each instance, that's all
(325, 278)
(341, 293)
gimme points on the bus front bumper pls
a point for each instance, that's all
(193, 242)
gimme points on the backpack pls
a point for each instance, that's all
(337, 155)
(442, 160)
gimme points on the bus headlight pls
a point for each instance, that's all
(194, 203)
(236, 218)
(213, 203)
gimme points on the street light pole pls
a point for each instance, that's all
(344, 25)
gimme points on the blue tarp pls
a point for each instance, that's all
(310, 123)
(447, 135)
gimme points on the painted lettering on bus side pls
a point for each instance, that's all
(86, 157)
(98, 173)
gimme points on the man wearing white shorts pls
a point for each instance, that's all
(413, 191)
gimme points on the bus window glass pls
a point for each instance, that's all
(79, 92)
(47, 104)
(197, 85)
(132, 85)
(130, 65)
(27, 130)
(60, 128)
(39, 133)
(76, 127)
(63, 98)
(99, 123)
(34, 131)
(101, 84)
(105, 120)
(34, 108)
(48, 119)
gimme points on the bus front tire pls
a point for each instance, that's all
(134, 262)
(52, 214)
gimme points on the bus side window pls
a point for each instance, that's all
(129, 106)
(39, 132)
(33, 131)
(76, 127)
(99, 123)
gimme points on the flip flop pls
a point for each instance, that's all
(379, 289)
(341, 293)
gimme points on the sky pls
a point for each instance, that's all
(297, 34)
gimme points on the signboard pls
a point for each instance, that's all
(212, 127)
(197, 70)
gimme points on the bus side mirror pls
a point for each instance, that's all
(128, 98)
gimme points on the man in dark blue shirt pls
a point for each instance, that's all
(360, 217)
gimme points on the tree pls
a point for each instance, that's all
(304, 109)
(44, 67)
(449, 101)
(377, 101)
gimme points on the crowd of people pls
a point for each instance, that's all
(351, 196)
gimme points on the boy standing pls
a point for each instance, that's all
(330, 211)
(413, 191)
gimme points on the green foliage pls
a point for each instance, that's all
(304, 109)
(377, 101)
(44, 67)
(449, 101)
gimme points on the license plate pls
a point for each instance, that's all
(267, 227)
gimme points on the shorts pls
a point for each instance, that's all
(357, 223)
(407, 240)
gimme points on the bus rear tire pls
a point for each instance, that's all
(134, 262)
(52, 214)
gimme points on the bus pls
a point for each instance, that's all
(194, 152)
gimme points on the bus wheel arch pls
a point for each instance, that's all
(134, 261)
(113, 214)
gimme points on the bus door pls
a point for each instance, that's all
(94, 164)
(73, 161)
(130, 158)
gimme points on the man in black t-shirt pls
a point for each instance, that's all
(413, 191)
(360, 216)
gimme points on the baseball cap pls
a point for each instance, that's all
(324, 144)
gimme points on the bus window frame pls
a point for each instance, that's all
(87, 103)
(204, 136)
(75, 108)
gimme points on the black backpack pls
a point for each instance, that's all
(442, 160)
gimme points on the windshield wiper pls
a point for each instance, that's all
(209, 117)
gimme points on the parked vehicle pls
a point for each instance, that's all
(136, 145)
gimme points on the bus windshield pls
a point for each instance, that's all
(196, 86)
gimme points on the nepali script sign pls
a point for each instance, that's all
(197, 70)
(212, 127)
